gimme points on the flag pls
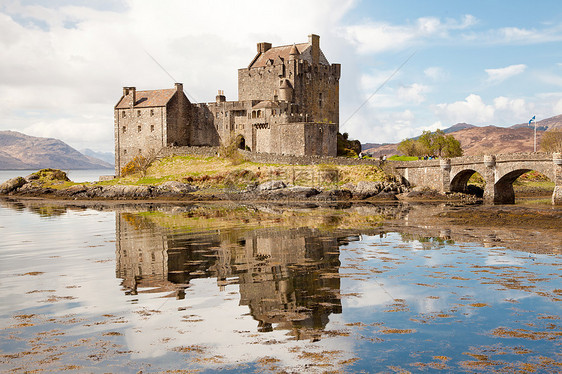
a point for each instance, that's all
(531, 120)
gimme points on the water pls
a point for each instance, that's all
(247, 288)
(78, 176)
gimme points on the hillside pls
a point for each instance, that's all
(552, 123)
(20, 151)
(488, 139)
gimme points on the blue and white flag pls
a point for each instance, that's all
(531, 120)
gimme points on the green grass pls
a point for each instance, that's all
(219, 172)
(402, 158)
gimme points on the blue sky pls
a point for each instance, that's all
(64, 62)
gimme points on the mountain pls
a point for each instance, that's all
(108, 157)
(552, 123)
(20, 151)
(477, 140)
(491, 140)
(458, 127)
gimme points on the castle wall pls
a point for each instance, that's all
(203, 129)
(138, 132)
(320, 139)
(259, 83)
(178, 120)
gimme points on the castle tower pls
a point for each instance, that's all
(294, 53)
(285, 91)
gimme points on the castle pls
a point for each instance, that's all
(288, 103)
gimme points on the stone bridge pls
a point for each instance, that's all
(499, 172)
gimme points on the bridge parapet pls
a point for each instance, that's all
(499, 172)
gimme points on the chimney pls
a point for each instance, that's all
(264, 47)
(220, 97)
(130, 91)
(314, 41)
(179, 87)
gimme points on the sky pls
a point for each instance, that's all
(63, 63)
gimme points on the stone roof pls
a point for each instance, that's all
(284, 52)
(152, 98)
(266, 104)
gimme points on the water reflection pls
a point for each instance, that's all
(287, 277)
(246, 288)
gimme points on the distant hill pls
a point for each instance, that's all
(20, 151)
(108, 157)
(477, 140)
(458, 127)
(552, 123)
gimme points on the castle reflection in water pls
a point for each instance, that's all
(287, 277)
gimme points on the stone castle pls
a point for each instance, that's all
(288, 103)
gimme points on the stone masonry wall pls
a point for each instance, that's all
(138, 132)
(268, 158)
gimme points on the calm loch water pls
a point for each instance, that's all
(246, 289)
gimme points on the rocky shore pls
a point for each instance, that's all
(55, 185)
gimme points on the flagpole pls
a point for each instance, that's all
(535, 147)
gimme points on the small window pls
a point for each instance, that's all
(139, 128)
(124, 129)
(124, 151)
(123, 114)
(138, 113)
(320, 100)
(151, 112)
(151, 127)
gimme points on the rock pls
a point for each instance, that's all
(73, 190)
(334, 195)
(271, 185)
(32, 177)
(365, 189)
(12, 185)
(119, 191)
(175, 187)
(296, 192)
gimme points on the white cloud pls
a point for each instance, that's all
(375, 37)
(435, 73)
(69, 63)
(558, 107)
(472, 110)
(413, 93)
(502, 111)
(501, 74)
(516, 35)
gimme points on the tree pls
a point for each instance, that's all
(431, 143)
(347, 147)
(411, 147)
(452, 147)
(551, 141)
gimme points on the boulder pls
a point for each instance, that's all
(334, 195)
(12, 185)
(175, 187)
(271, 185)
(365, 189)
(127, 191)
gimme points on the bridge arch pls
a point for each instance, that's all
(498, 171)
(460, 180)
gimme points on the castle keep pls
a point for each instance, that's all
(288, 103)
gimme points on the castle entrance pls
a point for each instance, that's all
(240, 142)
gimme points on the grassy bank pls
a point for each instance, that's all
(219, 172)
